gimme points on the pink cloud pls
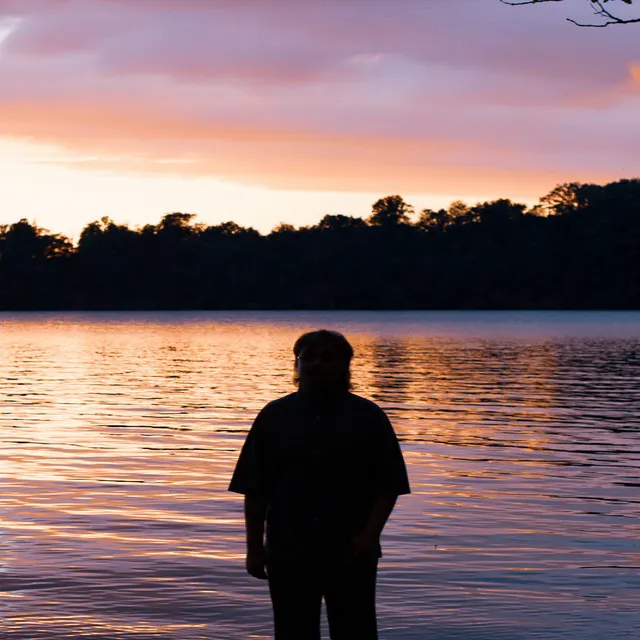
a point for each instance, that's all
(324, 93)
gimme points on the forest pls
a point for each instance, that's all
(578, 248)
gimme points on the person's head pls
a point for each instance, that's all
(322, 361)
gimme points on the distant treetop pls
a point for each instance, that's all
(390, 211)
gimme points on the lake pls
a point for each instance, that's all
(521, 433)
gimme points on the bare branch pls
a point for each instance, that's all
(604, 24)
(519, 2)
(598, 8)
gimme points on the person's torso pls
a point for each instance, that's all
(321, 471)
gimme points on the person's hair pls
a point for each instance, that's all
(333, 339)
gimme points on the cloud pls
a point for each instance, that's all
(322, 94)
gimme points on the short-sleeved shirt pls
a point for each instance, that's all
(319, 467)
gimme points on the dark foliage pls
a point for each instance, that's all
(577, 249)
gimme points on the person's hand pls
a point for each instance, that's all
(256, 563)
(363, 546)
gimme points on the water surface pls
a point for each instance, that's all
(119, 432)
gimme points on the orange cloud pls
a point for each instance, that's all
(322, 95)
(119, 140)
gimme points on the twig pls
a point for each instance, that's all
(598, 8)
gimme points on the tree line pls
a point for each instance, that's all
(578, 248)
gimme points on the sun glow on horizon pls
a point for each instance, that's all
(64, 198)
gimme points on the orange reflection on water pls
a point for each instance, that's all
(120, 433)
(81, 626)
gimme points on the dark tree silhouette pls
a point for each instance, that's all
(32, 266)
(284, 227)
(432, 220)
(567, 198)
(576, 249)
(459, 213)
(605, 15)
(497, 213)
(176, 225)
(336, 222)
(390, 212)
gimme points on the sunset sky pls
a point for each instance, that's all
(263, 111)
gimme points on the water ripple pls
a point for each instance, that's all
(119, 432)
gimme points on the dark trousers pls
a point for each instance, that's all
(349, 591)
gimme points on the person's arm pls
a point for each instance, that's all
(255, 513)
(368, 541)
(380, 512)
(390, 479)
(252, 478)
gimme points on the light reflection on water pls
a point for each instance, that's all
(520, 431)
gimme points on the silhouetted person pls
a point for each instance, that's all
(322, 468)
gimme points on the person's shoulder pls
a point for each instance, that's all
(273, 415)
(364, 405)
(278, 405)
